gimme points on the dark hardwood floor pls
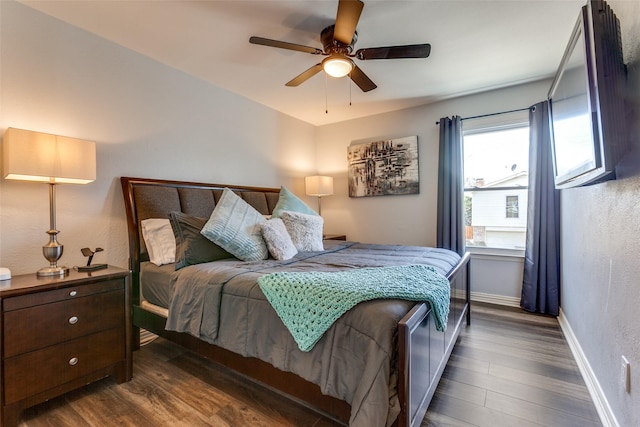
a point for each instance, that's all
(511, 368)
(508, 369)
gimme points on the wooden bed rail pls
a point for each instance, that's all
(424, 351)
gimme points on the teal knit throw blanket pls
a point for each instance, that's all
(309, 302)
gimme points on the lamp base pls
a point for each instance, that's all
(53, 271)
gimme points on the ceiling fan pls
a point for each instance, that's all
(338, 41)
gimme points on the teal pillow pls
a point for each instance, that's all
(236, 227)
(290, 202)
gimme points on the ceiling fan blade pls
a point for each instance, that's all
(394, 52)
(361, 79)
(285, 45)
(347, 20)
(305, 75)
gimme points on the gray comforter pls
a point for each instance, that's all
(220, 302)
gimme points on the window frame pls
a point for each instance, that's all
(517, 206)
(496, 123)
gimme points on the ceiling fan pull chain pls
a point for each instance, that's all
(350, 88)
(326, 97)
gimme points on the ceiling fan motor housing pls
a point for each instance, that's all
(334, 46)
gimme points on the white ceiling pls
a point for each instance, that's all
(476, 45)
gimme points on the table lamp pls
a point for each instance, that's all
(42, 157)
(319, 186)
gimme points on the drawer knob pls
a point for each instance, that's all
(73, 320)
(73, 361)
(73, 293)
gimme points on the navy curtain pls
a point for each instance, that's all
(451, 186)
(541, 281)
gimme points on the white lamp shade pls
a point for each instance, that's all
(36, 156)
(318, 185)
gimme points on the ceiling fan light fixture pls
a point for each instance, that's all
(337, 66)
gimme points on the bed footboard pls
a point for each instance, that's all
(423, 351)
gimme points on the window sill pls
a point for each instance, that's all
(495, 252)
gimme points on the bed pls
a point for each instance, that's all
(359, 372)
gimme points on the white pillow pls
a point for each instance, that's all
(234, 225)
(305, 230)
(160, 241)
(278, 240)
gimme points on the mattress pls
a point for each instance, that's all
(155, 283)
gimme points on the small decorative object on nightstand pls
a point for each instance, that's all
(89, 253)
(60, 333)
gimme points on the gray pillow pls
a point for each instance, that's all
(305, 230)
(234, 225)
(278, 240)
(191, 246)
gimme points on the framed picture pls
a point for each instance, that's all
(383, 168)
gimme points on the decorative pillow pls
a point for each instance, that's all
(305, 230)
(191, 246)
(234, 225)
(287, 201)
(159, 239)
(278, 240)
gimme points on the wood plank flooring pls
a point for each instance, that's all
(509, 368)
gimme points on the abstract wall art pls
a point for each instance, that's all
(382, 168)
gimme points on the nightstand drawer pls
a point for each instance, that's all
(41, 326)
(64, 294)
(38, 371)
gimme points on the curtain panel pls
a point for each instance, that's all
(450, 233)
(541, 279)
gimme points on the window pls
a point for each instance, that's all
(496, 163)
(512, 207)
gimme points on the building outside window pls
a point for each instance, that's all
(496, 162)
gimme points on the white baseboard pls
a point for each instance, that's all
(597, 394)
(495, 299)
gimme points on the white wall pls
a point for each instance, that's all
(496, 278)
(148, 120)
(601, 250)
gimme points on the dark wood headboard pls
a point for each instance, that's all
(155, 198)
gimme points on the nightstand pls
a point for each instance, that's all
(58, 334)
(334, 237)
